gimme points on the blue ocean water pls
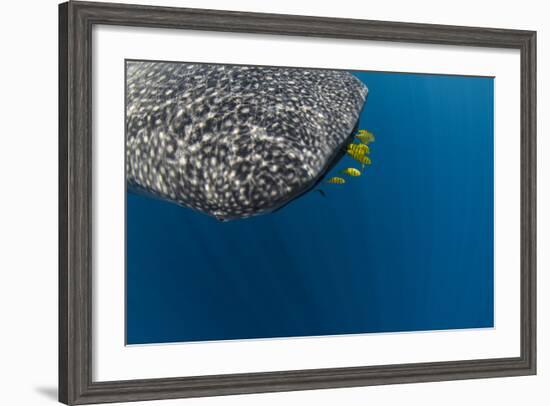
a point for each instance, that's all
(407, 246)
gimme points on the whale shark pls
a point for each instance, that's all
(234, 141)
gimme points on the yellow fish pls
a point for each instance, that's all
(358, 149)
(362, 159)
(365, 136)
(337, 180)
(358, 156)
(351, 172)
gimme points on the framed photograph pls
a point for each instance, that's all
(256, 202)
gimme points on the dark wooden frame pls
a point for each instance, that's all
(75, 179)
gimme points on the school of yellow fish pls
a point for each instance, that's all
(359, 152)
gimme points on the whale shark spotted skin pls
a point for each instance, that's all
(235, 141)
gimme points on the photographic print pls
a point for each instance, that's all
(340, 203)
(268, 202)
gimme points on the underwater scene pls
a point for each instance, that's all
(267, 202)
